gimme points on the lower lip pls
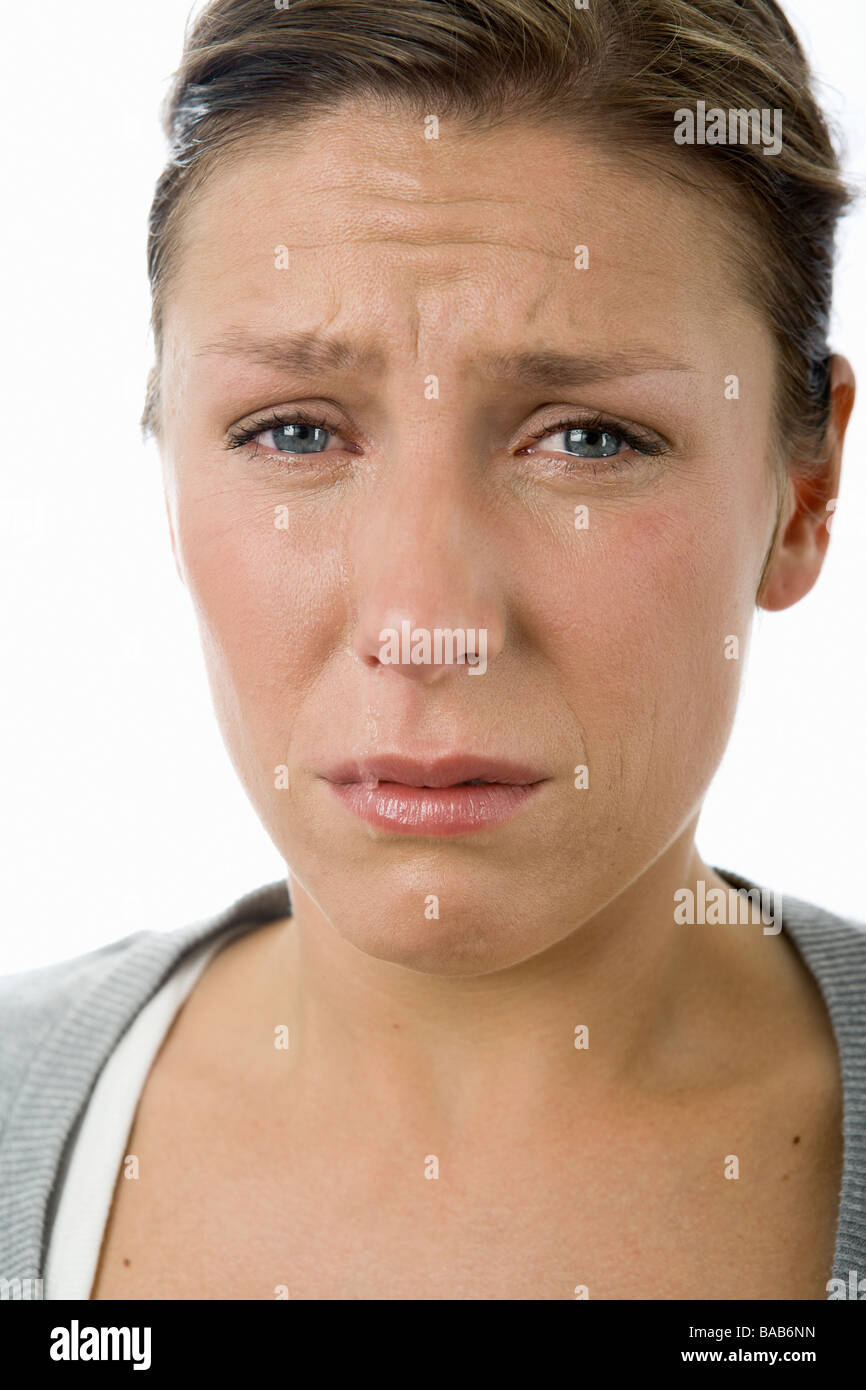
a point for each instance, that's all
(434, 810)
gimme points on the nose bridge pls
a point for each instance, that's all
(426, 600)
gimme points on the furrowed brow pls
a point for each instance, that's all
(568, 369)
(311, 353)
(303, 354)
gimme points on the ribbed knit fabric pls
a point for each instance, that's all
(58, 1026)
(834, 950)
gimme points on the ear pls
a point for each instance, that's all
(804, 529)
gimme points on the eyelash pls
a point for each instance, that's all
(645, 445)
(240, 435)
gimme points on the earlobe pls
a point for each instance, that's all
(800, 546)
(804, 534)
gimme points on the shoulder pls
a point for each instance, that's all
(96, 995)
(34, 1002)
(833, 947)
(834, 950)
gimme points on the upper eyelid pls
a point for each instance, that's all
(592, 419)
(637, 437)
(272, 419)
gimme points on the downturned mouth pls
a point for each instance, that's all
(449, 798)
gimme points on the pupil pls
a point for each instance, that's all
(594, 443)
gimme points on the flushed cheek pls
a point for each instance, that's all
(647, 627)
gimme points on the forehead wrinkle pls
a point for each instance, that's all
(547, 287)
(353, 185)
(425, 241)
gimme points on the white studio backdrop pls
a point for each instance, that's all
(120, 809)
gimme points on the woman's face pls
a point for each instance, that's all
(446, 492)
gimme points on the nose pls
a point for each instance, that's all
(428, 601)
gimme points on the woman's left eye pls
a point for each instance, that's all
(594, 440)
(593, 444)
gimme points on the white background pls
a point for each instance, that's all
(120, 808)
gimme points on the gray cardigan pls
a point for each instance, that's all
(59, 1025)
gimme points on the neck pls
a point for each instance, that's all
(627, 997)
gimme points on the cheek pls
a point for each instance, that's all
(646, 617)
(261, 596)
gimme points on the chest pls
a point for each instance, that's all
(738, 1201)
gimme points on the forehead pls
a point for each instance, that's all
(359, 219)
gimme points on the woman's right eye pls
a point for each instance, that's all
(298, 438)
(295, 434)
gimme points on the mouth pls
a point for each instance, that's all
(455, 795)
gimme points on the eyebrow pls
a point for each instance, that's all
(302, 353)
(570, 369)
(310, 353)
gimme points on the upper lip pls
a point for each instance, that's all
(446, 771)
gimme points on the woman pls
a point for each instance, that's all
(493, 395)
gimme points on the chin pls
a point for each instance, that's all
(462, 941)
